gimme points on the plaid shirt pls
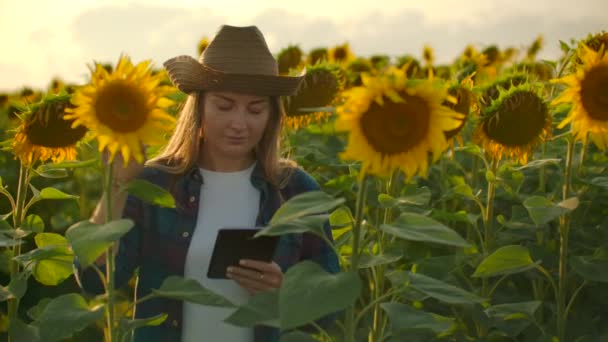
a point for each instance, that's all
(158, 245)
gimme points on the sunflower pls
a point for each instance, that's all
(322, 84)
(341, 54)
(355, 69)
(428, 54)
(380, 62)
(317, 55)
(44, 134)
(289, 58)
(491, 91)
(56, 86)
(514, 123)
(202, 45)
(465, 103)
(395, 123)
(3, 100)
(596, 42)
(410, 65)
(123, 109)
(588, 93)
(536, 46)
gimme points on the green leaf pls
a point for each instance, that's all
(420, 198)
(434, 288)
(262, 308)
(601, 182)
(33, 223)
(314, 224)
(368, 261)
(490, 177)
(90, 240)
(308, 203)
(35, 311)
(54, 194)
(57, 265)
(542, 210)
(590, 268)
(564, 46)
(150, 193)
(190, 290)
(297, 336)
(473, 149)
(16, 287)
(538, 163)
(309, 293)
(53, 173)
(522, 310)
(341, 221)
(404, 318)
(416, 227)
(67, 165)
(6, 241)
(21, 332)
(66, 315)
(127, 325)
(505, 260)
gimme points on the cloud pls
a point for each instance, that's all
(146, 31)
(142, 31)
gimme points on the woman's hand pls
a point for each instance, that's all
(256, 276)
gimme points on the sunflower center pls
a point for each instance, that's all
(396, 127)
(518, 121)
(122, 107)
(594, 92)
(53, 131)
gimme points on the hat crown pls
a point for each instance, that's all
(239, 50)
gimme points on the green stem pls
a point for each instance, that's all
(350, 326)
(542, 177)
(564, 230)
(582, 158)
(488, 220)
(377, 331)
(109, 258)
(574, 295)
(13, 303)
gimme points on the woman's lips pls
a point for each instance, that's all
(236, 140)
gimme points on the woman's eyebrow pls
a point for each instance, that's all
(223, 97)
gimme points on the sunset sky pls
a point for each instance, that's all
(43, 39)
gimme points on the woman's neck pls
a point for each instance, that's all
(209, 161)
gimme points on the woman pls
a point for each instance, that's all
(222, 166)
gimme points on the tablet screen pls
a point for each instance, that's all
(234, 244)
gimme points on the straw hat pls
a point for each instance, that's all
(238, 60)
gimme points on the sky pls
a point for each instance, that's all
(59, 38)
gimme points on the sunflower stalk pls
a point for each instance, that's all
(581, 161)
(377, 330)
(13, 303)
(350, 326)
(110, 293)
(488, 220)
(564, 230)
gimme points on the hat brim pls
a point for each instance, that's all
(188, 75)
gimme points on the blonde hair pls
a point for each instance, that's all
(182, 151)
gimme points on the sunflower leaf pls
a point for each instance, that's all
(150, 193)
(308, 203)
(505, 260)
(416, 227)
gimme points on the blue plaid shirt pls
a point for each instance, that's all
(158, 245)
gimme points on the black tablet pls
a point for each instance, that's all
(234, 244)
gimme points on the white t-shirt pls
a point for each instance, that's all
(228, 199)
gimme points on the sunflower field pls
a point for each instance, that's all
(468, 201)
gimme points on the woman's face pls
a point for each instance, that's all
(234, 123)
